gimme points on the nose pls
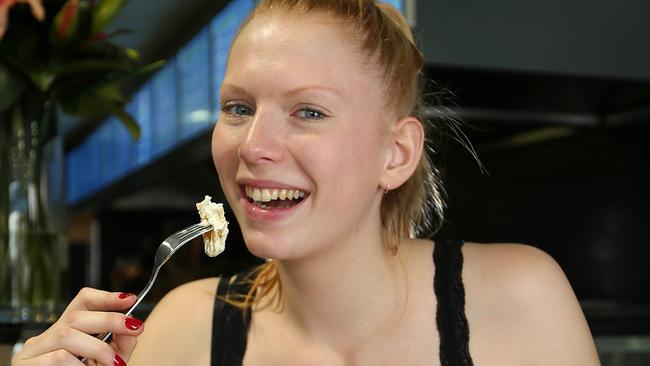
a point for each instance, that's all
(262, 140)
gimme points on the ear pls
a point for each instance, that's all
(404, 152)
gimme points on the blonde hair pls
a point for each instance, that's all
(385, 36)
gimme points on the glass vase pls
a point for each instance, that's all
(32, 212)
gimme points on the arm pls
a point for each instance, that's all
(179, 330)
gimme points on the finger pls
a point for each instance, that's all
(124, 345)
(95, 322)
(73, 341)
(90, 362)
(58, 357)
(93, 299)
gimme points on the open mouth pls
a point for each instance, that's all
(270, 198)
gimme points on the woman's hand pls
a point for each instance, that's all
(71, 337)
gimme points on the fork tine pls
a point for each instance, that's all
(189, 232)
(192, 230)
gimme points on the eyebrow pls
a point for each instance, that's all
(296, 91)
(288, 93)
(233, 87)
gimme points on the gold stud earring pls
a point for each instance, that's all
(387, 188)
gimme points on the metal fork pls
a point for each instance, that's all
(166, 249)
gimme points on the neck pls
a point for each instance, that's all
(341, 296)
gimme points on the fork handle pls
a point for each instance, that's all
(141, 296)
(107, 336)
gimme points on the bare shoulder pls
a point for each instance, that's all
(508, 262)
(510, 275)
(179, 327)
(519, 295)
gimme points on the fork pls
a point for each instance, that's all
(166, 249)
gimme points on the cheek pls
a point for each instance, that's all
(350, 160)
(224, 155)
(224, 149)
(362, 148)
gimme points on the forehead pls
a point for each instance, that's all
(297, 47)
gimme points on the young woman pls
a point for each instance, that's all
(319, 150)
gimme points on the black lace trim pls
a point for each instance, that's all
(450, 314)
(229, 326)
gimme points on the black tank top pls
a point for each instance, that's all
(230, 324)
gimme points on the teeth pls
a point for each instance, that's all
(266, 195)
(257, 195)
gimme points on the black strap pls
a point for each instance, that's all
(229, 325)
(450, 314)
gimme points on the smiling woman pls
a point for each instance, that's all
(319, 150)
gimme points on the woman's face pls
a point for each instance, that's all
(302, 116)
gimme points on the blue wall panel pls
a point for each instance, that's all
(194, 85)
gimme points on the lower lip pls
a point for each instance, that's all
(257, 213)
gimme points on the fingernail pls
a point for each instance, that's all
(124, 295)
(132, 323)
(118, 361)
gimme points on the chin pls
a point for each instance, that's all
(267, 246)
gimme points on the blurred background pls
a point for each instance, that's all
(554, 97)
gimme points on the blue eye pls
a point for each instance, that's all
(310, 113)
(237, 109)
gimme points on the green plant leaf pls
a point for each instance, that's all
(120, 32)
(132, 53)
(11, 87)
(128, 122)
(85, 28)
(148, 69)
(100, 49)
(41, 76)
(121, 76)
(105, 12)
(103, 102)
(112, 92)
(88, 105)
(83, 66)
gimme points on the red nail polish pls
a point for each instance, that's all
(118, 361)
(124, 295)
(132, 323)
